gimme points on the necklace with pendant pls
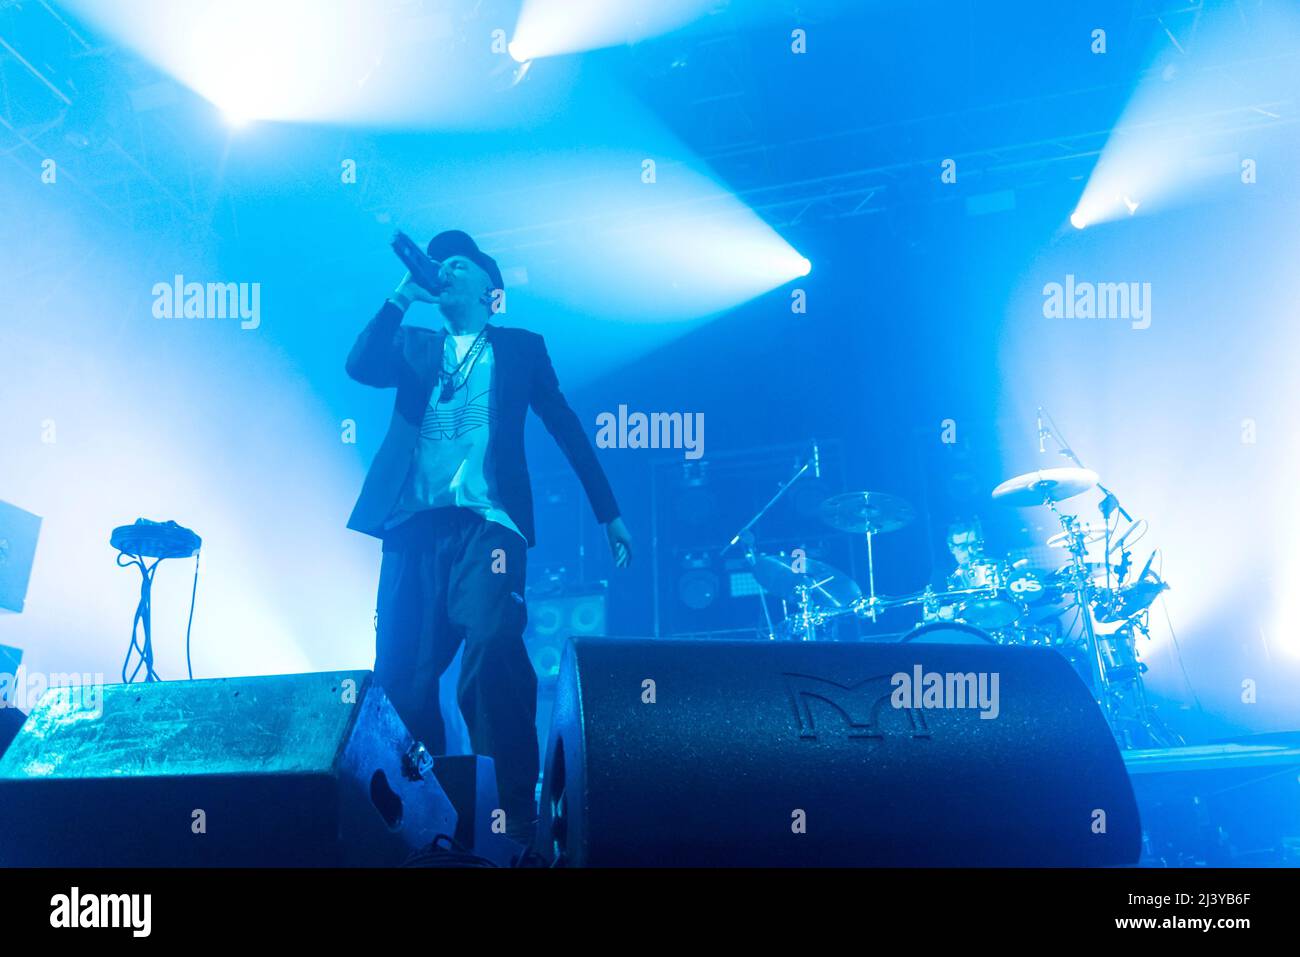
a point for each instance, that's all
(447, 378)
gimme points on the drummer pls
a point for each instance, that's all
(966, 545)
(965, 540)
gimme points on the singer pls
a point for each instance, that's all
(449, 495)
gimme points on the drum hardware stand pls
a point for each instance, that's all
(745, 533)
(806, 620)
(1129, 694)
(871, 577)
(1083, 598)
(1085, 592)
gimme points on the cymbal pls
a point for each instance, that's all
(866, 512)
(1044, 485)
(1093, 532)
(828, 587)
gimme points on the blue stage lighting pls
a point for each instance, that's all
(1179, 136)
(557, 27)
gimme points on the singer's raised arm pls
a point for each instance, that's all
(376, 356)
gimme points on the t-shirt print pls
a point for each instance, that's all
(462, 415)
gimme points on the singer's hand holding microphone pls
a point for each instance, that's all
(409, 291)
(422, 281)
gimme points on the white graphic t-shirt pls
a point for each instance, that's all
(448, 467)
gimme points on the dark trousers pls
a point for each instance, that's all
(449, 575)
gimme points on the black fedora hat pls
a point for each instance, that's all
(453, 242)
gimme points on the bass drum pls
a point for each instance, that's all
(949, 633)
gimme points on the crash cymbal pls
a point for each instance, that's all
(1044, 485)
(866, 512)
(828, 587)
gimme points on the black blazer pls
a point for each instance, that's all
(388, 354)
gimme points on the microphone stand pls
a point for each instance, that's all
(746, 533)
(803, 469)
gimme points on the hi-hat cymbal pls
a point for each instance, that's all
(828, 587)
(866, 512)
(1092, 532)
(1044, 486)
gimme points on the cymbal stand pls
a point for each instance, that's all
(806, 626)
(871, 576)
(1082, 589)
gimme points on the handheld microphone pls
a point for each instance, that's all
(424, 270)
(817, 461)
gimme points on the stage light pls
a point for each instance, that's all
(317, 61)
(1077, 220)
(805, 266)
(1176, 141)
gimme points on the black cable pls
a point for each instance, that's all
(143, 614)
(1178, 650)
(189, 665)
(445, 851)
(135, 622)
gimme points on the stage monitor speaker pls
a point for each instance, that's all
(284, 770)
(760, 753)
(18, 533)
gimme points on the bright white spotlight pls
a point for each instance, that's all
(1168, 146)
(518, 51)
(805, 266)
(1077, 220)
(343, 61)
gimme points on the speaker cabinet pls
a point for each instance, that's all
(285, 770)
(699, 753)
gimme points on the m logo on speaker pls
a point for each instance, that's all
(864, 708)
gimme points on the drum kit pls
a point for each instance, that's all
(997, 601)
